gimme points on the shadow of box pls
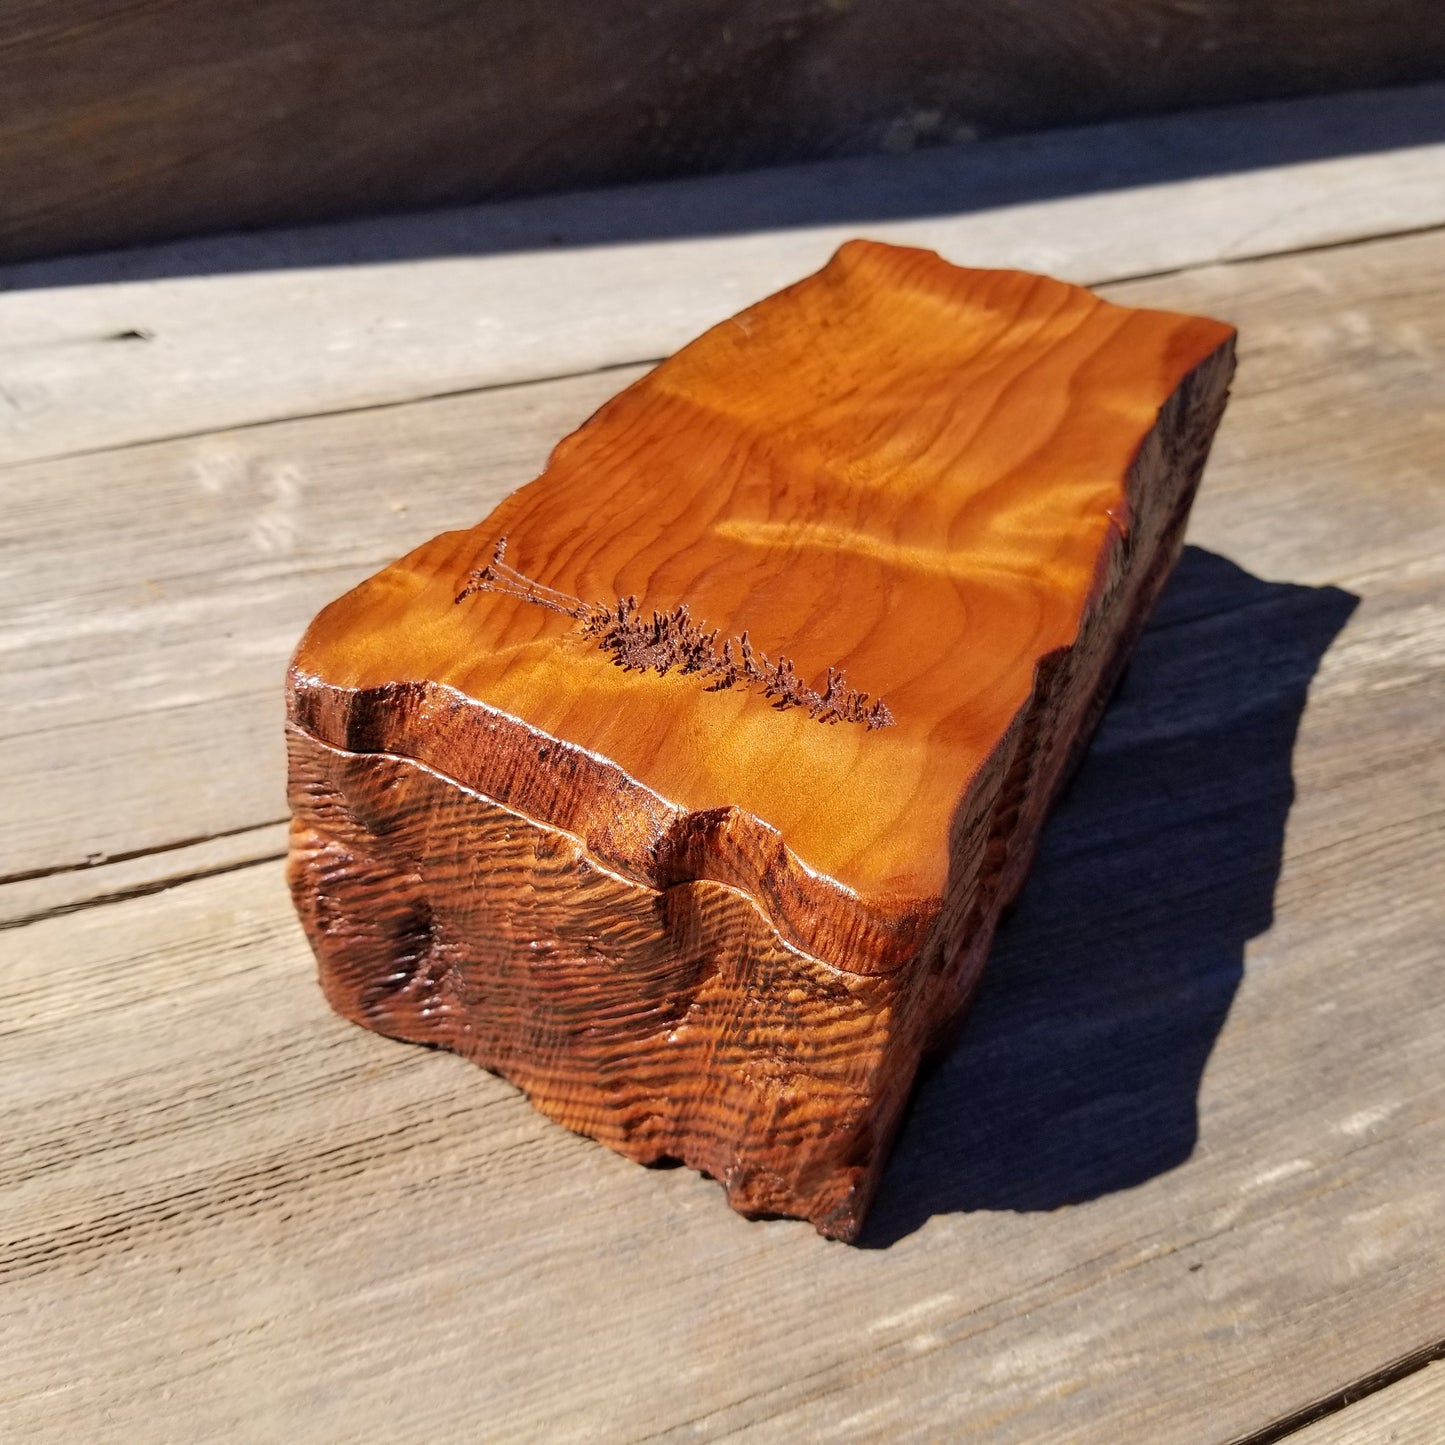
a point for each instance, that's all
(1078, 1072)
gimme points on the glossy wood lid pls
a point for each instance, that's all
(897, 468)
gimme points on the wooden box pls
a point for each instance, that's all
(687, 788)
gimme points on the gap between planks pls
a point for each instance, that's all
(1402, 1404)
(626, 368)
(629, 366)
(48, 893)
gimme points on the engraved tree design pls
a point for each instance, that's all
(676, 641)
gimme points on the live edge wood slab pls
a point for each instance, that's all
(686, 790)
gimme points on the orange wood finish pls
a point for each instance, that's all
(693, 810)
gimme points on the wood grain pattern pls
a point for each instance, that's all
(227, 1214)
(1407, 1413)
(1317, 476)
(136, 122)
(358, 315)
(960, 489)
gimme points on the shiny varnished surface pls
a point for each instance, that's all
(686, 791)
(898, 467)
(230, 1213)
(672, 1025)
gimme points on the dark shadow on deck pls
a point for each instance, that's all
(1078, 1072)
(946, 181)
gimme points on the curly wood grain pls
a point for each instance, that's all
(688, 921)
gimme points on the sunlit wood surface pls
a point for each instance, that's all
(795, 637)
(902, 470)
(1182, 1180)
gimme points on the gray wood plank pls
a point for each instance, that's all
(1182, 1176)
(941, 181)
(107, 880)
(153, 597)
(127, 123)
(331, 321)
(173, 580)
(1411, 1412)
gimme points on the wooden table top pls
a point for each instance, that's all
(1184, 1177)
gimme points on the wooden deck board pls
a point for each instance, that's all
(1322, 471)
(1409, 1412)
(262, 115)
(291, 1225)
(247, 330)
(1183, 1177)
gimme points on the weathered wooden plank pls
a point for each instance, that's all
(1409, 1412)
(1324, 470)
(277, 112)
(86, 885)
(941, 181)
(230, 1214)
(177, 350)
(188, 641)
